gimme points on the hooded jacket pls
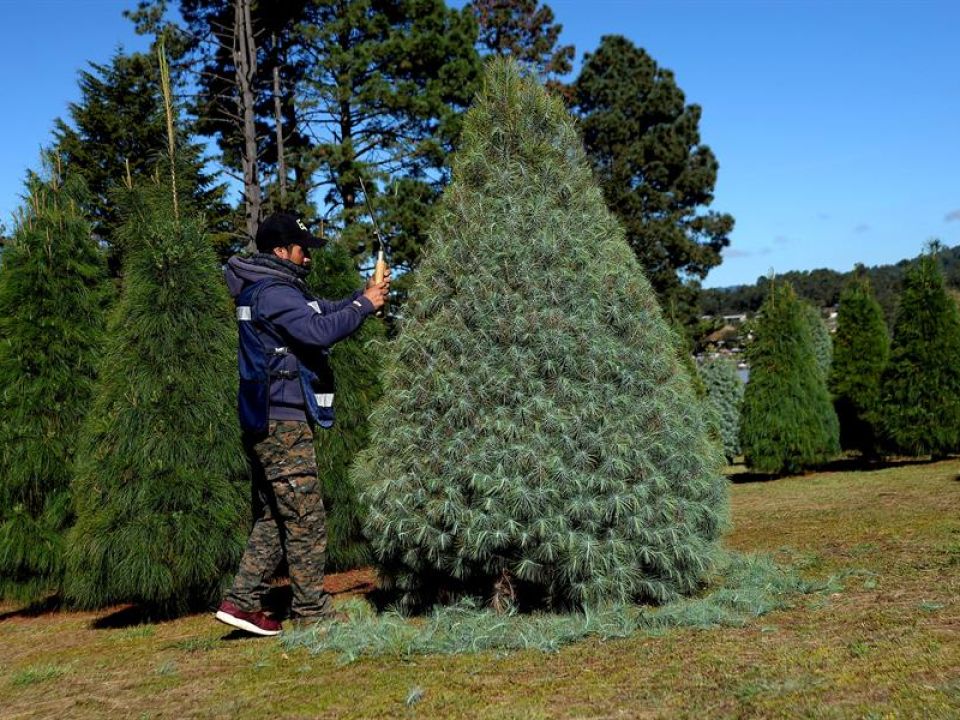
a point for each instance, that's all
(306, 323)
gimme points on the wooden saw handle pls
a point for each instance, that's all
(379, 272)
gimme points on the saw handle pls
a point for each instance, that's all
(379, 272)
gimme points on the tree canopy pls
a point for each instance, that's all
(524, 30)
(116, 131)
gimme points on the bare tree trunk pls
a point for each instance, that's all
(277, 110)
(347, 183)
(245, 62)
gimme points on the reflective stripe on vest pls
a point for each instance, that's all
(324, 400)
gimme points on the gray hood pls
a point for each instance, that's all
(243, 271)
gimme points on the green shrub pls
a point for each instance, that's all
(724, 395)
(820, 335)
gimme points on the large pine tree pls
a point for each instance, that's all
(861, 349)
(161, 490)
(920, 387)
(357, 363)
(538, 437)
(53, 292)
(787, 422)
(117, 129)
(524, 30)
(656, 174)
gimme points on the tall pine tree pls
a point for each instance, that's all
(367, 88)
(538, 438)
(357, 363)
(644, 143)
(161, 488)
(117, 130)
(920, 387)
(53, 294)
(860, 351)
(524, 30)
(787, 422)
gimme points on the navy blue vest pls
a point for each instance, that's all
(261, 357)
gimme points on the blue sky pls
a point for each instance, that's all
(835, 123)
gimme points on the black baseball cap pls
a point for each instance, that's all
(281, 230)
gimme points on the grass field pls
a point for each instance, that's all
(887, 646)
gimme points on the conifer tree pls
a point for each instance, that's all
(161, 488)
(53, 293)
(920, 387)
(524, 30)
(724, 395)
(861, 349)
(357, 370)
(117, 129)
(787, 422)
(538, 439)
(820, 335)
(657, 176)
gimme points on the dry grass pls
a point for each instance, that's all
(887, 646)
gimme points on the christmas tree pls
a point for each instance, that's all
(920, 387)
(724, 395)
(787, 422)
(861, 349)
(161, 488)
(53, 292)
(356, 364)
(538, 440)
(820, 335)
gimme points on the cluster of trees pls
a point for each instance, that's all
(809, 396)
(122, 474)
(308, 102)
(823, 287)
(306, 99)
(144, 495)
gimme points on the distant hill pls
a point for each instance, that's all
(822, 287)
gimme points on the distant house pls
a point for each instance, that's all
(721, 336)
(735, 319)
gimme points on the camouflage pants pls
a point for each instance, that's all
(289, 522)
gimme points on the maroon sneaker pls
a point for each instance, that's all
(251, 622)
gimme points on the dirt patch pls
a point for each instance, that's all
(353, 582)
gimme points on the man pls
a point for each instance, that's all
(286, 390)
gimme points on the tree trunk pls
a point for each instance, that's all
(245, 62)
(277, 111)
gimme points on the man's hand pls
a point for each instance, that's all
(377, 292)
(386, 279)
